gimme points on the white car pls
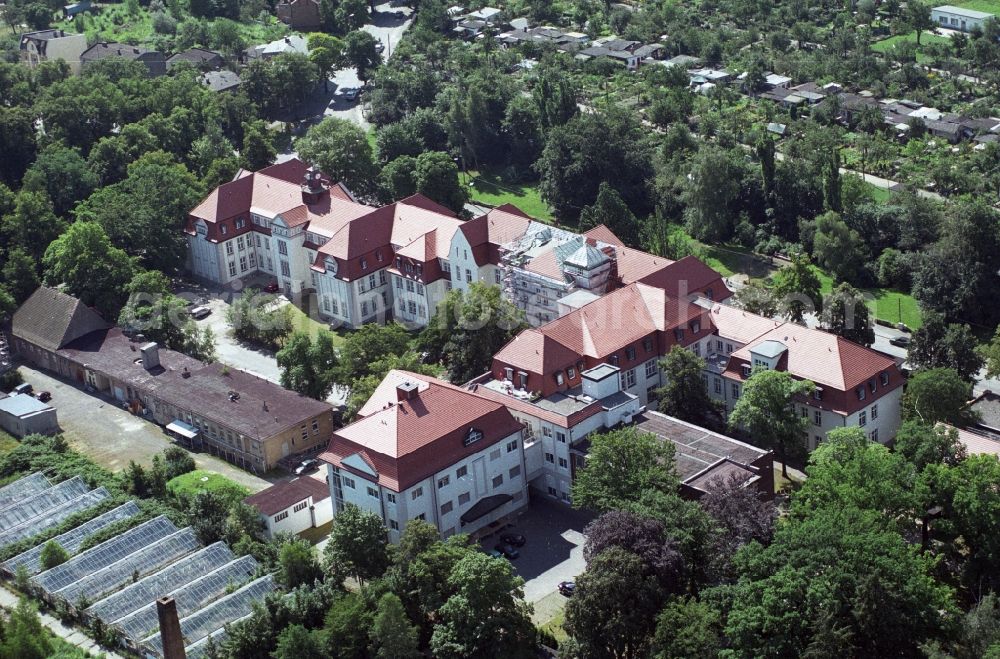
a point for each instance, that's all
(352, 93)
(200, 312)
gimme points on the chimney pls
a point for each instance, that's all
(406, 391)
(150, 356)
(170, 629)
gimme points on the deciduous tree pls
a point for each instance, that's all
(685, 394)
(358, 544)
(797, 289)
(846, 314)
(341, 150)
(937, 394)
(621, 466)
(84, 260)
(308, 366)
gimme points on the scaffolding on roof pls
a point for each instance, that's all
(138, 564)
(36, 504)
(104, 554)
(52, 517)
(22, 489)
(215, 616)
(190, 597)
(138, 595)
(70, 540)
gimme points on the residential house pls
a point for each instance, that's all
(23, 414)
(51, 45)
(220, 81)
(302, 15)
(293, 506)
(289, 221)
(425, 449)
(227, 412)
(960, 18)
(153, 60)
(293, 43)
(629, 59)
(201, 58)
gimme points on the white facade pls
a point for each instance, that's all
(443, 497)
(959, 18)
(300, 516)
(61, 45)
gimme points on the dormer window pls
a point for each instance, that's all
(378, 255)
(473, 436)
(614, 360)
(872, 385)
(223, 229)
(818, 393)
(630, 353)
(399, 262)
(746, 370)
(860, 392)
(364, 264)
(885, 378)
(709, 294)
(409, 267)
(695, 326)
(647, 344)
(679, 333)
(571, 372)
(559, 378)
(509, 374)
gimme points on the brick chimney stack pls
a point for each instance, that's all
(170, 629)
(406, 391)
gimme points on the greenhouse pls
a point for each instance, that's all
(138, 564)
(25, 509)
(191, 597)
(197, 626)
(22, 489)
(52, 517)
(104, 554)
(145, 591)
(72, 539)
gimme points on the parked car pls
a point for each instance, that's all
(272, 287)
(900, 341)
(200, 312)
(513, 539)
(507, 550)
(494, 553)
(23, 388)
(566, 588)
(379, 46)
(306, 466)
(44, 396)
(352, 93)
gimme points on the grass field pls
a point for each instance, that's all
(301, 322)
(555, 627)
(991, 6)
(199, 480)
(885, 303)
(492, 189)
(7, 443)
(729, 260)
(886, 45)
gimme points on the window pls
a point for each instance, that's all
(285, 270)
(559, 378)
(378, 255)
(628, 378)
(446, 507)
(695, 326)
(417, 493)
(718, 346)
(614, 360)
(571, 372)
(315, 426)
(232, 268)
(364, 308)
(718, 385)
(240, 245)
(861, 392)
(871, 385)
(630, 353)
(240, 222)
(282, 248)
(873, 435)
(364, 263)
(421, 516)
(461, 472)
(464, 498)
(394, 525)
(679, 333)
(650, 368)
(805, 413)
(885, 378)
(547, 431)
(862, 418)
(561, 437)
(468, 276)
(409, 285)
(305, 433)
(253, 262)
(229, 249)
(281, 516)
(550, 458)
(399, 283)
(512, 446)
(494, 454)
(302, 505)
(348, 482)
(373, 493)
(498, 480)
(223, 229)
(552, 491)
(647, 344)
(563, 464)
(390, 497)
(243, 264)
(874, 412)
(420, 289)
(496, 275)
(443, 481)
(736, 391)
(818, 418)
(371, 281)
(745, 370)
(514, 472)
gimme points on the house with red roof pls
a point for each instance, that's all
(290, 222)
(426, 449)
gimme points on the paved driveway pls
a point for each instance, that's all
(554, 548)
(113, 437)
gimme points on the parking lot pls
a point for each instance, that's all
(553, 550)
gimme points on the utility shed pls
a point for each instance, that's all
(22, 415)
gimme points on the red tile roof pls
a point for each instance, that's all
(678, 278)
(487, 232)
(535, 352)
(410, 440)
(283, 496)
(603, 234)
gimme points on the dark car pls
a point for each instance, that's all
(272, 287)
(44, 396)
(23, 388)
(900, 342)
(507, 550)
(567, 588)
(513, 539)
(306, 466)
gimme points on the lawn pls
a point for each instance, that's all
(732, 259)
(881, 195)
(991, 6)
(301, 322)
(7, 443)
(189, 484)
(493, 189)
(886, 45)
(555, 627)
(885, 303)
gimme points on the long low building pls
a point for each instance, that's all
(245, 419)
